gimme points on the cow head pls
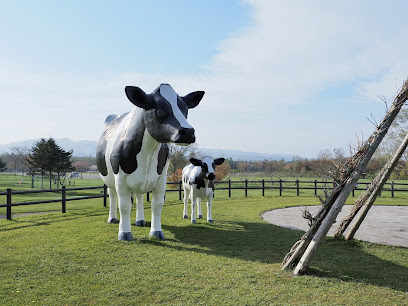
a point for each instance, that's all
(207, 166)
(166, 112)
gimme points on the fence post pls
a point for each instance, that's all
(105, 194)
(353, 191)
(392, 189)
(8, 203)
(246, 187)
(297, 187)
(315, 189)
(280, 187)
(229, 188)
(180, 190)
(64, 198)
(263, 187)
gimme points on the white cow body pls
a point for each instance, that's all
(132, 155)
(198, 183)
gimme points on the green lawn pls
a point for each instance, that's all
(75, 259)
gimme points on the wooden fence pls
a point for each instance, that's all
(279, 186)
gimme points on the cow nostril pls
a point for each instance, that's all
(186, 132)
(211, 176)
(185, 135)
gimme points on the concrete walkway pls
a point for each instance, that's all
(383, 224)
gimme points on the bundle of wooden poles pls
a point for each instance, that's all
(347, 175)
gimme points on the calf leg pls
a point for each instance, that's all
(209, 204)
(185, 201)
(193, 200)
(199, 212)
(113, 210)
(140, 219)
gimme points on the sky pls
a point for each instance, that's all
(286, 77)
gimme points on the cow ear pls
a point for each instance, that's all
(138, 97)
(196, 162)
(192, 99)
(219, 161)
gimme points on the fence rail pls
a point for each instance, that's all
(274, 185)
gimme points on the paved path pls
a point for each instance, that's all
(383, 224)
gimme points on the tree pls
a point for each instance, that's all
(222, 171)
(22, 156)
(2, 166)
(180, 155)
(49, 157)
(82, 166)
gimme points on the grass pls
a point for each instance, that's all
(75, 258)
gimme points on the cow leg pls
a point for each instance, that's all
(157, 206)
(193, 207)
(140, 219)
(125, 207)
(113, 201)
(209, 204)
(185, 201)
(199, 212)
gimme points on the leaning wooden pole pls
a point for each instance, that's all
(384, 176)
(349, 175)
(368, 198)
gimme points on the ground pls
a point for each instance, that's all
(386, 225)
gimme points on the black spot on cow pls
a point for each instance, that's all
(128, 145)
(112, 123)
(162, 158)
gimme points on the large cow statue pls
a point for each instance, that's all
(198, 183)
(133, 154)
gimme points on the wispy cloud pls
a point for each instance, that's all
(284, 83)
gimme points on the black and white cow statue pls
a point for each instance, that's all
(198, 183)
(133, 152)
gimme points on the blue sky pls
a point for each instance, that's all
(289, 77)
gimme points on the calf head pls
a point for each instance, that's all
(207, 166)
(166, 112)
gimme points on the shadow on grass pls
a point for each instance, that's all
(46, 218)
(267, 243)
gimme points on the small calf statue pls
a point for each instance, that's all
(133, 154)
(198, 183)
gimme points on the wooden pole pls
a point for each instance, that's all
(8, 210)
(354, 167)
(384, 176)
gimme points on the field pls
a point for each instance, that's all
(75, 258)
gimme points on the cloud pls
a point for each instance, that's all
(284, 83)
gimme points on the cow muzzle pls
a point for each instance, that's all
(184, 136)
(211, 176)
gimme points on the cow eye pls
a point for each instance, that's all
(161, 114)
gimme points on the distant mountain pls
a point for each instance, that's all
(88, 148)
(248, 156)
(79, 148)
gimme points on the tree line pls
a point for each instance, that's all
(46, 157)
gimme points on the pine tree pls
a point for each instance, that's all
(49, 157)
(2, 166)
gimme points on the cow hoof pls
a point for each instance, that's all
(126, 236)
(210, 221)
(113, 220)
(194, 221)
(140, 223)
(158, 234)
(200, 216)
(185, 217)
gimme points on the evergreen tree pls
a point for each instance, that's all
(49, 157)
(2, 166)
